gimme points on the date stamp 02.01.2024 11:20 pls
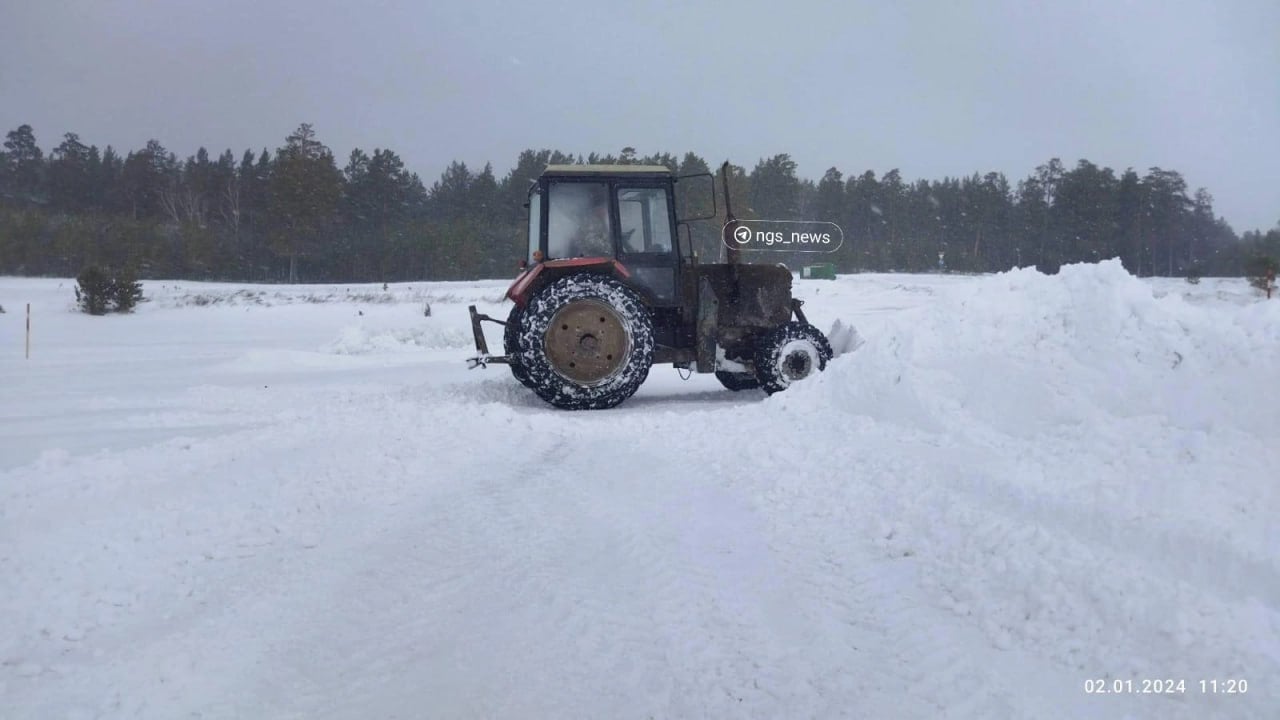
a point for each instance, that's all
(1166, 686)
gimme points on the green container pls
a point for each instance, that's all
(821, 271)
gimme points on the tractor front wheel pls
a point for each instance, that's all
(789, 353)
(586, 342)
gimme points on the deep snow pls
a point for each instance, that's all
(270, 502)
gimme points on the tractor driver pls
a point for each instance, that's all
(593, 237)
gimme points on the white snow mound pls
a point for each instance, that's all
(1025, 352)
(1086, 459)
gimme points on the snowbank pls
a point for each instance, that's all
(1093, 467)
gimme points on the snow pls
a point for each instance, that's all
(295, 501)
(843, 338)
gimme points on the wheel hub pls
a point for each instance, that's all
(587, 342)
(797, 365)
(798, 360)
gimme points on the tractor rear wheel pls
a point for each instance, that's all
(586, 342)
(737, 381)
(789, 353)
(511, 345)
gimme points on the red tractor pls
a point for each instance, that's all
(609, 289)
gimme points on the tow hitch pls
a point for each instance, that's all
(483, 359)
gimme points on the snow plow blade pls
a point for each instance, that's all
(484, 358)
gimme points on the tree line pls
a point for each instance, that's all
(293, 214)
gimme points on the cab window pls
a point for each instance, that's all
(578, 223)
(643, 220)
(535, 222)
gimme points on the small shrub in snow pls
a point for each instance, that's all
(126, 291)
(100, 290)
(93, 290)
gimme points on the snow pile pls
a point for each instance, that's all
(1022, 352)
(1083, 468)
(364, 340)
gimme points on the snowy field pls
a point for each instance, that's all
(297, 502)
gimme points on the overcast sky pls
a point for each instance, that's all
(932, 88)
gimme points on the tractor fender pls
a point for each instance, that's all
(533, 279)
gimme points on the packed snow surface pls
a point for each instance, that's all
(296, 502)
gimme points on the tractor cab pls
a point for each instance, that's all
(622, 213)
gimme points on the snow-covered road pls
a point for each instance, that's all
(296, 502)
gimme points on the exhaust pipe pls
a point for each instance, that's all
(733, 255)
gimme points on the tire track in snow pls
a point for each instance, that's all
(869, 595)
(1073, 574)
(609, 582)
(335, 479)
(960, 549)
(594, 578)
(923, 660)
(625, 562)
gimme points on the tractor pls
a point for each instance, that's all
(609, 289)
